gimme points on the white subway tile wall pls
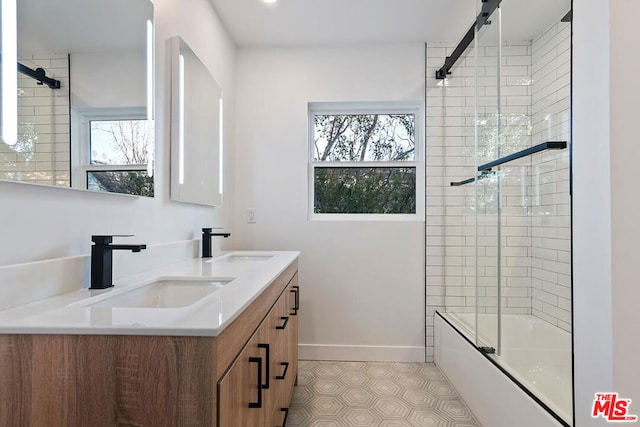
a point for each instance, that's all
(42, 154)
(534, 215)
(549, 191)
(450, 239)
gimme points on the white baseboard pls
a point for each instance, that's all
(360, 353)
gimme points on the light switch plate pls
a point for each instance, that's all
(251, 215)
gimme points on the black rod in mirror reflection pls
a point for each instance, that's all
(40, 75)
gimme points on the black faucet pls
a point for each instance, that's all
(206, 241)
(102, 260)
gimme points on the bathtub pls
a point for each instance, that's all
(533, 367)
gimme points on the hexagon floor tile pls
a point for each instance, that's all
(375, 394)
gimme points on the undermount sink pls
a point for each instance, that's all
(164, 293)
(242, 258)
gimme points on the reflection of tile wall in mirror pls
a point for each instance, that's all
(42, 153)
(73, 39)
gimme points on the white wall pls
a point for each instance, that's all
(362, 282)
(108, 79)
(605, 125)
(605, 235)
(592, 284)
(625, 204)
(40, 223)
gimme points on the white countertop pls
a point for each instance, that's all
(67, 314)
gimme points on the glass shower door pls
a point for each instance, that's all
(487, 185)
(507, 211)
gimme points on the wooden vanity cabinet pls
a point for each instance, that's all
(257, 388)
(158, 381)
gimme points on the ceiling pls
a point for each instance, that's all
(63, 26)
(304, 22)
(312, 22)
(73, 26)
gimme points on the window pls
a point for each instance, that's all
(365, 161)
(115, 152)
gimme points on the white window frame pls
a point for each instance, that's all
(378, 107)
(82, 159)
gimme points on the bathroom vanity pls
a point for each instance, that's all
(149, 352)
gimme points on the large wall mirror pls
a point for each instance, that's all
(196, 129)
(77, 94)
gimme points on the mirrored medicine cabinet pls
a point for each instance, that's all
(196, 129)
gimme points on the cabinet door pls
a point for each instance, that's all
(279, 416)
(282, 332)
(288, 356)
(292, 337)
(281, 323)
(267, 337)
(241, 395)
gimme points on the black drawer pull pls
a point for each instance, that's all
(284, 373)
(284, 324)
(286, 414)
(268, 359)
(296, 305)
(257, 404)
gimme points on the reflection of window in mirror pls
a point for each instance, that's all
(114, 151)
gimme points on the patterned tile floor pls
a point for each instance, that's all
(345, 394)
